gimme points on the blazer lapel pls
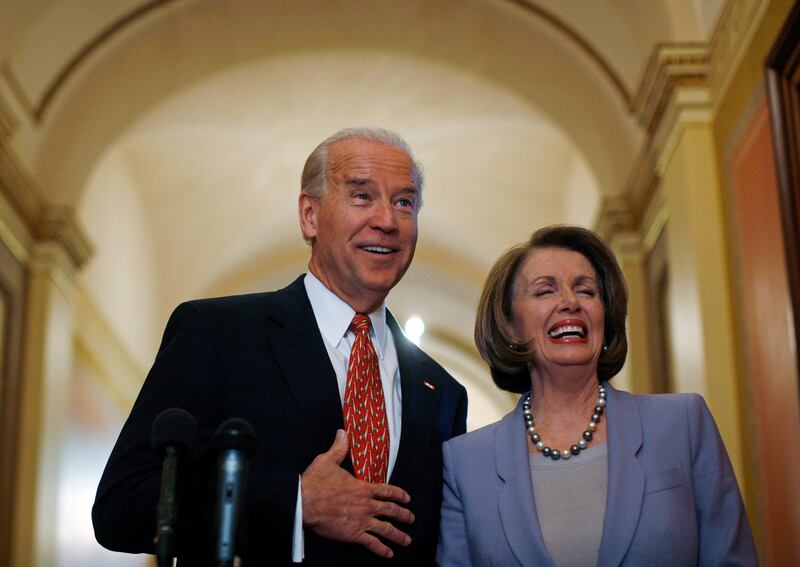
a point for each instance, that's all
(516, 502)
(625, 477)
(304, 363)
(418, 408)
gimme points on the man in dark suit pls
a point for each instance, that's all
(281, 361)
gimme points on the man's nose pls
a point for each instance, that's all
(385, 217)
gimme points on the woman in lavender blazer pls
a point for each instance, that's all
(581, 473)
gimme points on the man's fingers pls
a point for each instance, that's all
(388, 531)
(338, 450)
(390, 492)
(392, 511)
(337, 506)
(374, 545)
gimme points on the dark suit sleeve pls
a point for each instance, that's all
(187, 373)
(724, 531)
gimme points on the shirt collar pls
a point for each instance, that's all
(334, 315)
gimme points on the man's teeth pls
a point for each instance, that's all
(378, 249)
(566, 329)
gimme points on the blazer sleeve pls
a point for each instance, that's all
(453, 549)
(724, 531)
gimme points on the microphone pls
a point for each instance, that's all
(174, 431)
(234, 442)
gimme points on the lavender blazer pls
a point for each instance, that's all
(672, 496)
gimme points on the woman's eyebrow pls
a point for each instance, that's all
(542, 279)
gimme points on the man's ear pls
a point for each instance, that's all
(307, 209)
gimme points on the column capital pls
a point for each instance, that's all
(60, 225)
(43, 221)
(672, 67)
(616, 216)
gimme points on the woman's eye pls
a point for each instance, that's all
(541, 292)
(361, 196)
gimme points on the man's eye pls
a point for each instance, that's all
(406, 203)
(361, 196)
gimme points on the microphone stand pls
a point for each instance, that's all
(167, 512)
(173, 432)
(235, 443)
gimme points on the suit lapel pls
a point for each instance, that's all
(516, 503)
(625, 477)
(418, 406)
(304, 363)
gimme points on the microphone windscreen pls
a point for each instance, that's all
(173, 426)
(235, 434)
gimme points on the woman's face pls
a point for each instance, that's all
(557, 309)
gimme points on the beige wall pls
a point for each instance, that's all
(700, 308)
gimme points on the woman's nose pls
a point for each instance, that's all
(569, 302)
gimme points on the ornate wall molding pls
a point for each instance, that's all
(671, 66)
(676, 68)
(43, 222)
(18, 187)
(60, 224)
(675, 80)
(616, 216)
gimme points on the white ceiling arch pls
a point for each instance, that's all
(186, 40)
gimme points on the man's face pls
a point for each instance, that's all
(364, 229)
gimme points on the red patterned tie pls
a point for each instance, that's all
(364, 408)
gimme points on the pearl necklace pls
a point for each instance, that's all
(555, 454)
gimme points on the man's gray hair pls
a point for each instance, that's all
(314, 180)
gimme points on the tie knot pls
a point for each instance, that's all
(360, 324)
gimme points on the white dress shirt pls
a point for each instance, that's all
(333, 319)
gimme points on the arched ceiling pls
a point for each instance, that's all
(183, 41)
(178, 129)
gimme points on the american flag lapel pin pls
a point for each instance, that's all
(428, 385)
